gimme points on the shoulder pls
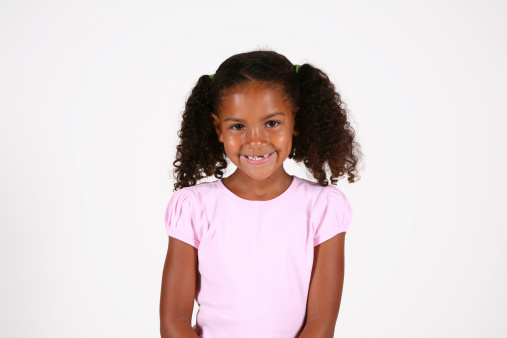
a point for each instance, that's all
(320, 194)
(198, 193)
(309, 188)
(327, 202)
(333, 193)
(186, 215)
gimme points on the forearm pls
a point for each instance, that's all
(317, 330)
(177, 330)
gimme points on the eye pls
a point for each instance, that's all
(235, 125)
(238, 124)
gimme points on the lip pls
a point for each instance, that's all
(264, 160)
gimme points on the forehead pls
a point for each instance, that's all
(255, 96)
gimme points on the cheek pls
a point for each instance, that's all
(232, 143)
(283, 140)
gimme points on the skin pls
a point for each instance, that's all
(243, 126)
(179, 284)
(326, 286)
(254, 134)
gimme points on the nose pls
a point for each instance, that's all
(256, 137)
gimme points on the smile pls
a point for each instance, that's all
(258, 159)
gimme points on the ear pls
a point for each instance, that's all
(218, 127)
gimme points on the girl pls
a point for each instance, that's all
(261, 251)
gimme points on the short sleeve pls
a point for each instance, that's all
(333, 215)
(182, 218)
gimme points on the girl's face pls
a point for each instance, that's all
(256, 121)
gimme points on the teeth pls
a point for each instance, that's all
(257, 157)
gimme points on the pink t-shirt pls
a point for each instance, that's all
(255, 257)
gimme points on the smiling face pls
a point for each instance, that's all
(256, 121)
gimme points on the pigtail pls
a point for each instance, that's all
(199, 149)
(325, 135)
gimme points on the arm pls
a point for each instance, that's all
(178, 330)
(326, 287)
(178, 290)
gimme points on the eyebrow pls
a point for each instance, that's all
(265, 117)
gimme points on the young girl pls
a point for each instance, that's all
(261, 251)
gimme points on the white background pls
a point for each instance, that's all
(91, 94)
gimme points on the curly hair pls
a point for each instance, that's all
(325, 135)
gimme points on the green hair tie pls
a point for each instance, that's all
(211, 76)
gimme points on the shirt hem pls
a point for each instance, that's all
(192, 242)
(321, 239)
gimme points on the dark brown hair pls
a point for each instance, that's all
(325, 135)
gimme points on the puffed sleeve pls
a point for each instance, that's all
(333, 215)
(182, 218)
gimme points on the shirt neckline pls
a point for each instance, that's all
(245, 202)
